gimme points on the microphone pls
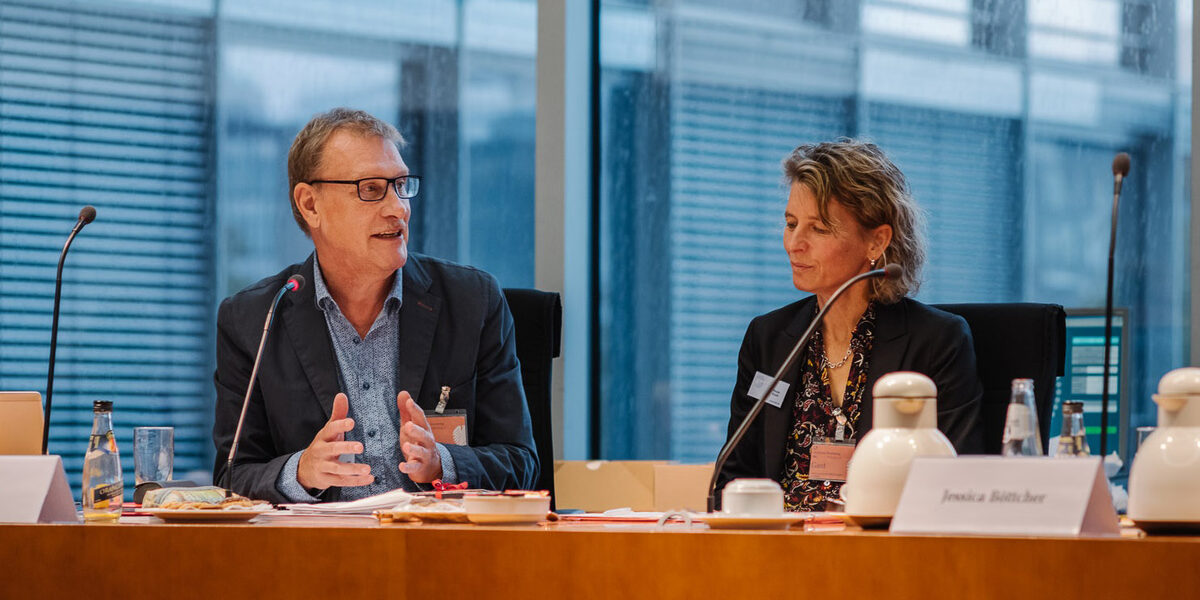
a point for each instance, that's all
(891, 271)
(86, 215)
(294, 283)
(1120, 169)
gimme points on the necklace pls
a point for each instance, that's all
(834, 366)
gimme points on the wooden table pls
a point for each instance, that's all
(574, 561)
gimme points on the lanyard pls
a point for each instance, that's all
(443, 399)
(842, 422)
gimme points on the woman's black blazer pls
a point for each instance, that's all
(909, 336)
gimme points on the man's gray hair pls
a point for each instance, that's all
(304, 159)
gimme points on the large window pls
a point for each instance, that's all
(456, 79)
(109, 108)
(174, 118)
(1004, 115)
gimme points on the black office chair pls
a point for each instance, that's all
(1015, 341)
(537, 317)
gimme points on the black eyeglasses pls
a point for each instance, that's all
(374, 189)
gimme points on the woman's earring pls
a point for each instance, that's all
(873, 261)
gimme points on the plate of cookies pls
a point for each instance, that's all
(201, 504)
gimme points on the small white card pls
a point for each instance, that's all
(35, 490)
(995, 495)
(759, 386)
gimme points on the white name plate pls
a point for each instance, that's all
(35, 490)
(994, 495)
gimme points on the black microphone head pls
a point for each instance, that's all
(1121, 164)
(297, 279)
(87, 214)
(893, 271)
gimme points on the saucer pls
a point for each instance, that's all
(728, 521)
(206, 515)
(506, 509)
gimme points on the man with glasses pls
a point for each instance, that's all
(392, 369)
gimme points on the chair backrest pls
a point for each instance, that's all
(537, 318)
(1015, 341)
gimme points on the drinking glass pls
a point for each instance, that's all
(153, 453)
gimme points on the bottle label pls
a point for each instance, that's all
(1073, 445)
(102, 495)
(1016, 424)
(105, 443)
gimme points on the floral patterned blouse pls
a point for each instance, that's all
(814, 415)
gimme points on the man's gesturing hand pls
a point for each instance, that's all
(422, 463)
(319, 466)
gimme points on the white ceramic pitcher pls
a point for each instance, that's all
(1164, 481)
(905, 426)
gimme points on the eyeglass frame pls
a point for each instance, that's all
(393, 183)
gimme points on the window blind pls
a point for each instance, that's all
(728, 264)
(112, 108)
(965, 174)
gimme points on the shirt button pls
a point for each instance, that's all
(371, 433)
(366, 385)
(357, 341)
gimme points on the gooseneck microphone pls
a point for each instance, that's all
(294, 283)
(891, 271)
(86, 215)
(1120, 169)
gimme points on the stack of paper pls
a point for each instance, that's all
(363, 506)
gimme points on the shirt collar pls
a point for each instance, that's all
(325, 300)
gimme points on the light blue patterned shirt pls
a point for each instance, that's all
(367, 372)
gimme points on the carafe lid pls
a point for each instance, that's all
(1180, 382)
(905, 384)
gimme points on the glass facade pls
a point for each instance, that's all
(1004, 115)
(174, 118)
(110, 108)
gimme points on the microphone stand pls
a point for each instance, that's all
(889, 271)
(86, 215)
(1120, 169)
(295, 282)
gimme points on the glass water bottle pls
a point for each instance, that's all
(103, 488)
(1073, 440)
(1021, 435)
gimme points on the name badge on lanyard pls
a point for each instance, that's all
(829, 458)
(448, 426)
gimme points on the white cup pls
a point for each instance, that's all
(752, 497)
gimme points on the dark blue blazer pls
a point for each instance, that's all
(455, 330)
(909, 336)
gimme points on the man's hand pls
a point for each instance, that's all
(319, 466)
(422, 463)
